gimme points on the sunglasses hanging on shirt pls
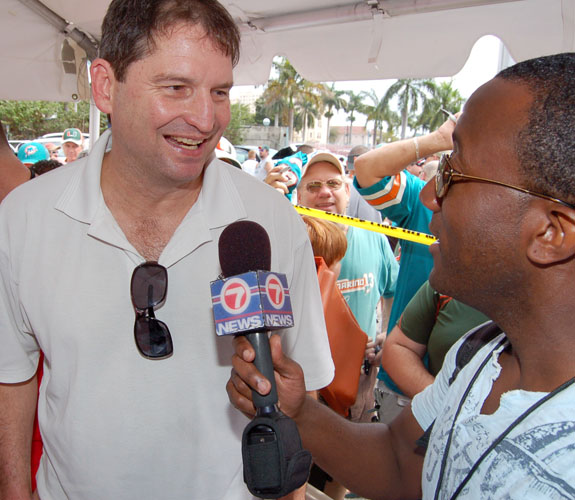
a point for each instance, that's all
(148, 289)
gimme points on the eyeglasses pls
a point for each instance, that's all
(315, 186)
(446, 174)
(148, 289)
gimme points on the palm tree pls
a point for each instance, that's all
(444, 97)
(310, 106)
(410, 94)
(370, 110)
(289, 88)
(354, 103)
(379, 112)
(332, 100)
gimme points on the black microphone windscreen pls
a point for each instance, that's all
(244, 246)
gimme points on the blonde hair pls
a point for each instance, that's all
(328, 240)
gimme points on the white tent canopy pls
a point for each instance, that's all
(326, 40)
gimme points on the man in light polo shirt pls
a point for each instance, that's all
(72, 143)
(132, 403)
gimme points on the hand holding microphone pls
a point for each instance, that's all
(251, 301)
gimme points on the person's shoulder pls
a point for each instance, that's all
(43, 187)
(243, 179)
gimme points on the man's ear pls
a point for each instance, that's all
(553, 235)
(103, 82)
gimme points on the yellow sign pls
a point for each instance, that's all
(395, 232)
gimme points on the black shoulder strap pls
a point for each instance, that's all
(472, 344)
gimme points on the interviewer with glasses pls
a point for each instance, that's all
(106, 267)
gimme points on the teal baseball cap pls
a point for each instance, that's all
(32, 152)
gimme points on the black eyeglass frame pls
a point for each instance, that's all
(152, 336)
(444, 178)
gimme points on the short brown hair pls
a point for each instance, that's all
(129, 28)
(328, 240)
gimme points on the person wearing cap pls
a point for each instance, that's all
(265, 165)
(383, 179)
(32, 152)
(502, 426)
(72, 143)
(369, 268)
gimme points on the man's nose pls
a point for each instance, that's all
(325, 190)
(428, 196)
(200, 112)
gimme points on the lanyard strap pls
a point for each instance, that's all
(500, 438)
(461, 402)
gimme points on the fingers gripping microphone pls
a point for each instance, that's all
(251, 301)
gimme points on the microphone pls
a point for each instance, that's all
(251, 300)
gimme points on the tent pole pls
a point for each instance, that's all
(63, 26)
(94, 123)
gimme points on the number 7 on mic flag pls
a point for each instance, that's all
(250, 302)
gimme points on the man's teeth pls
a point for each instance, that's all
(187, 143)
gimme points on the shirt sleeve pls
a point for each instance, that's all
(396, 197)
(19, 353)
(419, 315)
(428, 403)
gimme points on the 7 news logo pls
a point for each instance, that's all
(253, 301)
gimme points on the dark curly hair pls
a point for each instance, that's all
(129, 28)
(545, 147)
(43, 166)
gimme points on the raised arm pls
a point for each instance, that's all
(374, 460)
(392, 158)
(17, 408)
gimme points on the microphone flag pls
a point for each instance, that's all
(250, 302)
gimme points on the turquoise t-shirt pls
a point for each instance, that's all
(369, 271)
(397, 198)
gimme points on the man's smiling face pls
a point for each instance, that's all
(324, 198)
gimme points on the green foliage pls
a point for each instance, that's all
(240, 118)
(332, 100)
(354, 104)
(333, 135)
(380, 113)
(32, 119)
(410, 94)
(444, 96)
(289, 93)
(262, 111)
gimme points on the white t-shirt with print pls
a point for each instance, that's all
(535, 460)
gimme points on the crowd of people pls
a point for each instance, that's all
(463, 386)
